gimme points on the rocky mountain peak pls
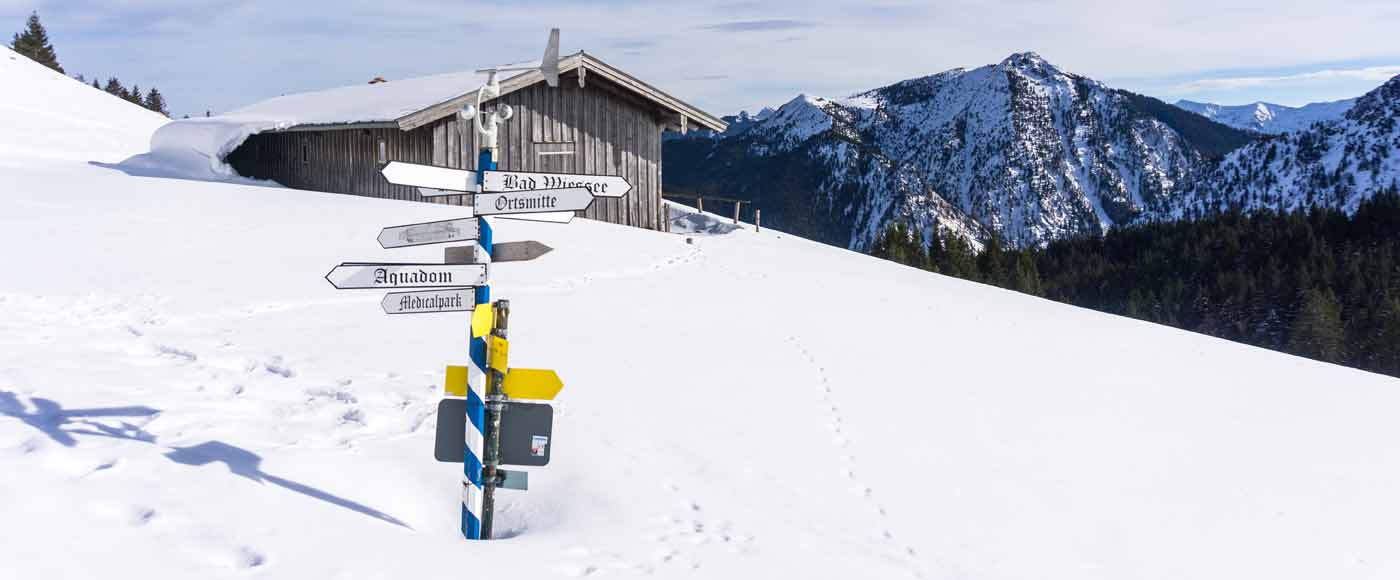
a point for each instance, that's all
(1380, 105)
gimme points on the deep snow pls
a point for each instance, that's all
(183, 396)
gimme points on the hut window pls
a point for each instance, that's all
(383, 152)
(305, 153)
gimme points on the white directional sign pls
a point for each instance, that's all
(358, 275)
(598, 185)
(553, 217)
(454, 300)
(533, 201)
(428, 233)
(430, 176)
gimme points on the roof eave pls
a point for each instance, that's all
(574, 61)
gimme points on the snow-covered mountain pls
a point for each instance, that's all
(1020, 148)
(1334, 163)
(183, 396)
(1269, 118)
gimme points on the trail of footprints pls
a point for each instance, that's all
(842, 441)
(683, 532)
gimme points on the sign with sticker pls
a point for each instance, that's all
(526, 429)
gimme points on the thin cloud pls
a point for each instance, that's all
(631, 43)
(1372, 73)
(759, 25)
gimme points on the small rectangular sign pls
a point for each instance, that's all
(526, 431)
(454, 230)
(598, 185)
(429, 301)
(533, 201)
(455, 383)
(497, 352)
(511, 479)
(450, 444)
(483, 318)
(352, 275)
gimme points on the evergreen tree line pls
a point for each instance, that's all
(1314, 283)
(34, 43)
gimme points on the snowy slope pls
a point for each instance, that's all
(1269, 118)
(195, 401)
(46, 114)
(183, 396)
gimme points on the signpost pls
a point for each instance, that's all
(481, 424)
(452, 181)
(598, 185)
(348, 276)
(533, 201)
(457, 230)
(455, 300)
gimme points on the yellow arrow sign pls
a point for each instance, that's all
(539, 384)
(497, 351)
(456, 383)
(483, 318)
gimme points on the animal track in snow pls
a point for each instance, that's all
(836, 426)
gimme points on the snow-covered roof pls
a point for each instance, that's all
(404, 103)
(384, 102)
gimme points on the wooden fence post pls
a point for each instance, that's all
(737, 205)
(757, 219)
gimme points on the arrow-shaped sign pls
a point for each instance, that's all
(428, 233)
(533, 201)
(539, 384)
(519, 251)
(553, 217)
(430, 176)
(598, 185)
(359, 275)
(455, 300)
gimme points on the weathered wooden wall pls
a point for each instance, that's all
(598, 129)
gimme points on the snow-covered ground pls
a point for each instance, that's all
(183, 396)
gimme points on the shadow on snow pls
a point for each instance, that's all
(60, 425)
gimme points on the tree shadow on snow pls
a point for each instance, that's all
(244, 463)
(61, 424)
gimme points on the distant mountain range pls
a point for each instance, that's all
(1023, 150)
(1269, 118)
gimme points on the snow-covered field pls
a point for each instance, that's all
(183, 396)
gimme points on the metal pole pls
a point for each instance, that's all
(757, 219)
(495, 401)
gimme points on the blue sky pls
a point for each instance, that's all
(726, 56)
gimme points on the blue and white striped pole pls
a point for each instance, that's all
(472, 483)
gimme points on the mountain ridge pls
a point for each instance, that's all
(1020, 149)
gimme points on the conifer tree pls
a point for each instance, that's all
(34, 43)
(96, 85)
(134, 96)
(1317, 331)
(114, 87)
(156, 102)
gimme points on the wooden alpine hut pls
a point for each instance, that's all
(599, 120)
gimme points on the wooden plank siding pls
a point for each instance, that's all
(598, 129)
